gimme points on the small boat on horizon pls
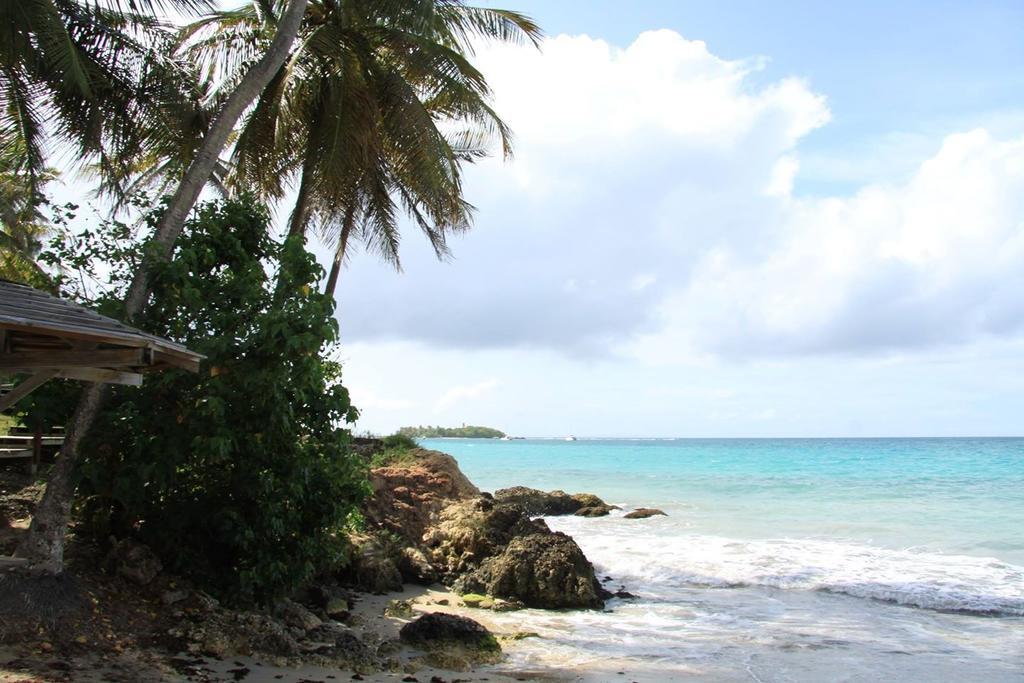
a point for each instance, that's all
(570, 438)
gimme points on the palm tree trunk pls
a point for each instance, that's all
(300, 213)
(44, 545)
(202, 167)
(339, 253)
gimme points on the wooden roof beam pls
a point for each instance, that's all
(93, 358)
(26, 387)
(133, 379)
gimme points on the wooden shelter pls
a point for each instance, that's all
(44, 336)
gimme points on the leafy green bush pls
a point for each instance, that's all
(239, 477)
(399, 442)
(397, 451)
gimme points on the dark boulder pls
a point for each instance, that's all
(587, 500)
(341, 644)
(540, 570)
(643, 513)
(415, 567)
(134, 561)
(471, 531)
(439, 628)
(595, 510)
(295, 615)
(553, 503)
(451, 641)
(374, 564)
(537, 502)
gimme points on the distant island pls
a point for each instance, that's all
(463, 432)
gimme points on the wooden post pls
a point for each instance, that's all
(37, 449)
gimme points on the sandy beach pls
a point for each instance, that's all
(39, 662)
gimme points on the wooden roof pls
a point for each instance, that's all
(42, 332)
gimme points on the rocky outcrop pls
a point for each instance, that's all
(295, 615)
(428, 522)
(552, 503)
(451, 641)
(469, 532)
(226, 634)
(537, 502)
(407, 497)
(595, 511)
(134, 561)
(373, 566)
(540, 570)
(643, 513)
(587, 500)
(415, 566)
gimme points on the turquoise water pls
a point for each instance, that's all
(783, 559)
(962, 496)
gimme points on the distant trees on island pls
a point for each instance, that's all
(463, 432)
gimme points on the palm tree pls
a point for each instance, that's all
(44, 544)
(97, 117)
(372, 114)
(81, 73)
(24, 225)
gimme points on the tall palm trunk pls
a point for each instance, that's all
(202, 167)
(300, 213)
(44, 545)
(339, 252)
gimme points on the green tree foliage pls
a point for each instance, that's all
(464, 432)
(239, 477)
(372, 114)
(85, 73)
(24, 225)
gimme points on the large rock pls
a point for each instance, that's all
(540, 570)
(341, 645)
(595, 511)
(416, 567)
(374, 564)
(134, 561)
(295, 615)
(471, 531)
(537, 502)
(451, 641)
(587, 500)
(643, 513)
(551, 503)
(226, 634)
(407, 498)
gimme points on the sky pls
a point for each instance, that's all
(723, 218)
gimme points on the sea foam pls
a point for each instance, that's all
(658, 558)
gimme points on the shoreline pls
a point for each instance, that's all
(369, 621)
(161, 629)
(733, 627)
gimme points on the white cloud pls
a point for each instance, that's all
(367, 399)
(650, 210)
(628, 161)
(642, 281)
(938, 260)
(460, 394)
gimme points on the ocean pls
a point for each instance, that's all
(782, 559)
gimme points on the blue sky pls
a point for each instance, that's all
(895, 73)
(725, 219)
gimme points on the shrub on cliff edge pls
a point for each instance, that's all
(239, 477)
